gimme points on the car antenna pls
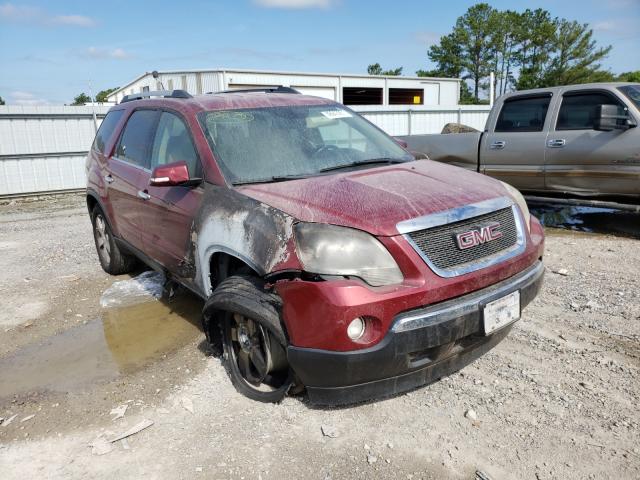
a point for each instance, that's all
(156, 75)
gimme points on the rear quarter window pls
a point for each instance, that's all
(106, 130)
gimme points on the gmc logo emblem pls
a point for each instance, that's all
(472, 238)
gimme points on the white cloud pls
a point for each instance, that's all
(18, 97)
(9, 11)
(25, 14)
(106, 53)
(74, 20)
(295, 4)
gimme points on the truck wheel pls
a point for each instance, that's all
(253, 341)
(112, 259)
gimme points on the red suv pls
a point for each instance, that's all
(328, 257)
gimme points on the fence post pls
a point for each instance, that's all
(409, 118)
(459, 115)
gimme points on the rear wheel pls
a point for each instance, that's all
(112, 259)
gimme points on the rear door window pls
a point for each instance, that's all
(135, 143)
(579, 110)
(106, 129)
(525, 114)
(173, 144)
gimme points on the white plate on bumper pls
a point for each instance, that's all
(501, 312)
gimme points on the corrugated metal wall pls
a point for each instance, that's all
(397, 120)
(43, 148)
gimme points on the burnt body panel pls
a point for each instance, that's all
(229, 222)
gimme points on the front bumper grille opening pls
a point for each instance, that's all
(439, 246)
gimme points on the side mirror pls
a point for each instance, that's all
(170, 175)
(608, 118)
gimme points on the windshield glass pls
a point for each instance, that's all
(263, 144)
(632, 92)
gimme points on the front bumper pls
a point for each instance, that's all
(421, 346)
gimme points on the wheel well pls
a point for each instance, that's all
(91, 203)
(223, 265)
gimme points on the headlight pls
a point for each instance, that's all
(517, 196)
(330, 250)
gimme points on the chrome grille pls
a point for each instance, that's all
(439, 246)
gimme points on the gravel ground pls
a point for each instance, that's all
(557, 399)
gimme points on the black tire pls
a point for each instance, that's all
(253, 340)
(113, 260)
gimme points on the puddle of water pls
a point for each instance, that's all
(588, 219)
(124, 340)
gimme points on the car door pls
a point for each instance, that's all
(581, 159)
(169, 210)
(513, 148)
(130, 160)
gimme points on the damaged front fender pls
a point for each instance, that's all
(255, 233)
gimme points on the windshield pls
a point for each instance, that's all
(278, 143)
(632, 92)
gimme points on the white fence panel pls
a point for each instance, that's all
(399, 120)
(43, 148)
(41, 174)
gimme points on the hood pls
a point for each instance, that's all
(376, 199)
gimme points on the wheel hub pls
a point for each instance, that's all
(244, 339)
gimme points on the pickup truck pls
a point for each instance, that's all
(580, 140)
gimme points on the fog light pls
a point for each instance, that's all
(355, 330)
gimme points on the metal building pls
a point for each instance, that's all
(346, 89)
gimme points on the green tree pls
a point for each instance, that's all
(629, 77)
(575, 57)
(81, 99)
(101, 96)
(525, 50)
(376, 69)
(504, 41)
(447, 57)
(1, 101)
(473, 32)
(535, 35)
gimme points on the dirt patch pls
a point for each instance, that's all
(557, 399)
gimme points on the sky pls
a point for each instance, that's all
(52, 50)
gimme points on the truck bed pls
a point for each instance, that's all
(459, 149)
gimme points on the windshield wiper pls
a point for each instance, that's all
(370, 161)
(275, 178)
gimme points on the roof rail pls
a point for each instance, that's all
(278, 89)
(157, 93)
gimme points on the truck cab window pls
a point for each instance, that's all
(579, 110)
(523, 114)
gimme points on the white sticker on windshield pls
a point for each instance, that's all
(333, 114)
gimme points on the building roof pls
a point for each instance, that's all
(278, 72)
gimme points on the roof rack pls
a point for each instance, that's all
(157, 93)
(278, 89)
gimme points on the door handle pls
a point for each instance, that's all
(143, 195)
(556, 143)
(108, 178)
(498, 145)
